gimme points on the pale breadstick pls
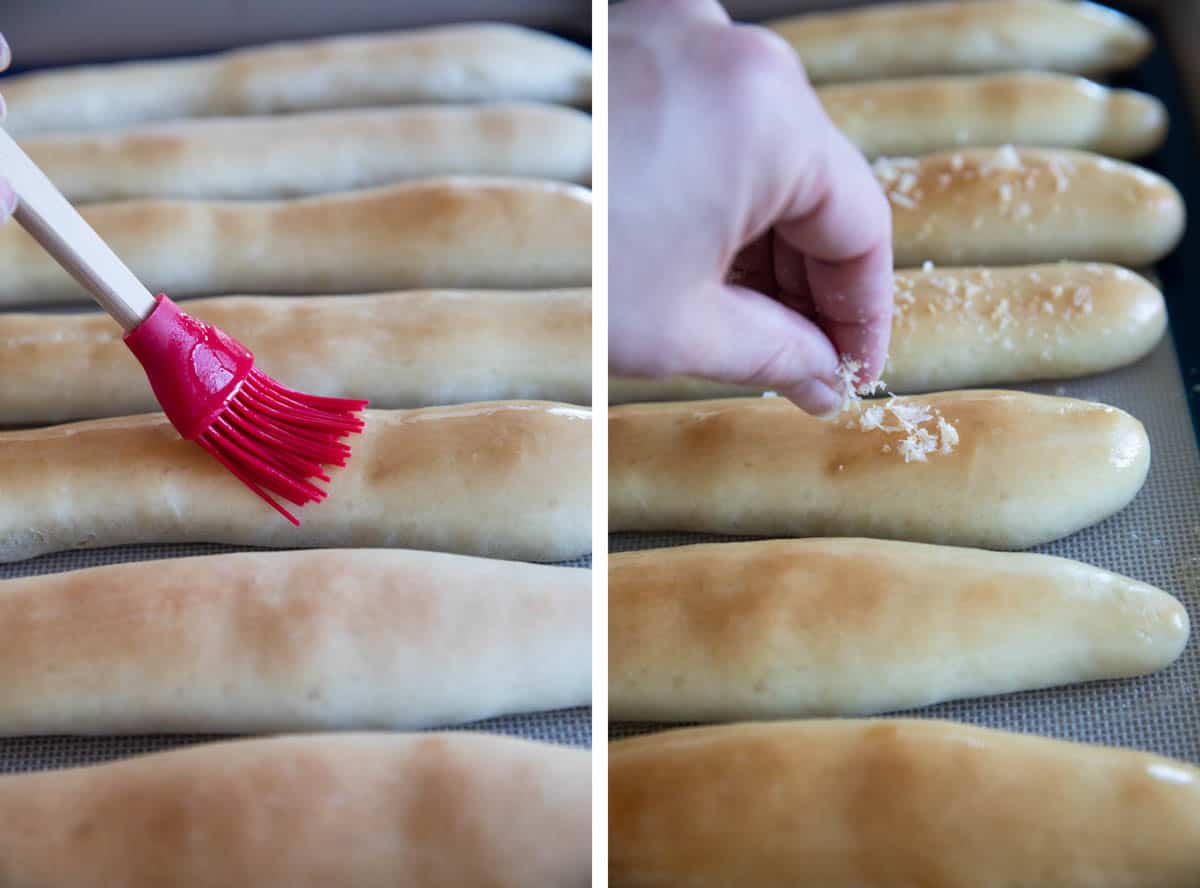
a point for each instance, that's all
(361, 810)
(454, 232)
(292, 641)
(801, 628)
(917, 39)
(1021, 469)
(964, 327)
(1035, 108)
(1010, 206)
(461, 63)
(410, 349)
(894, 804)
(505, 479)
(317, 153)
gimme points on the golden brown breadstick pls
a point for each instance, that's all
(1014, 206)
(801, 628)
(308, 640)
(1034, 108)
(1001, 470)
(362, 810)
(460, 232)
(917, 39)
(398, 350)
(299, 155)
(504, 479)
(894, 804)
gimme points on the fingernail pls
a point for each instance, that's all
(5, 53)
(8, 198)
(817, 398)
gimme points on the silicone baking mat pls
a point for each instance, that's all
(571, 727)
(1155, 539)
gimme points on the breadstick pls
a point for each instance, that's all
(1035, 108)
(994, 469)
(965, 327)
(1011, 206)
(362, 810)
(292, 641)
(306, 154)
(917, 39)
(461, 63)
(893, 804)
(456, 232)
(504, 479)
(801, 628)
(410, 349)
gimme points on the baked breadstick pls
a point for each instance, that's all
(362, 810)
(455, 232)
(892, 804)
(292, 641)
(504, 479)
(801, 628)
(994, 469)
(410, 349)
(461, 63)
(965, 327)
(1010, 206)
(926, 114)
(917, 39)
(274, 157)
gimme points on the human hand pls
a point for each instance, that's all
(748, 239)
(8, 197)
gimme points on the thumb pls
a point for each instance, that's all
(736, 335)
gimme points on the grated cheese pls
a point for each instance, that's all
(897, 416)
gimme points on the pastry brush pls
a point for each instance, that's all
(274, 439)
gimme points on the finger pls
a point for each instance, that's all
(8, 200)
(771, 346)
(792, 275)
(839, 220)
(858, 321)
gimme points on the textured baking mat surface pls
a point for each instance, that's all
(1156, 539)
(572, 727)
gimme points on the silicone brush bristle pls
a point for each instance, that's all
(275, 439)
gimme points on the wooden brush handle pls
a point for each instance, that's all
(54, 223)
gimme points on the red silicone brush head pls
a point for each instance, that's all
(274, 439)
